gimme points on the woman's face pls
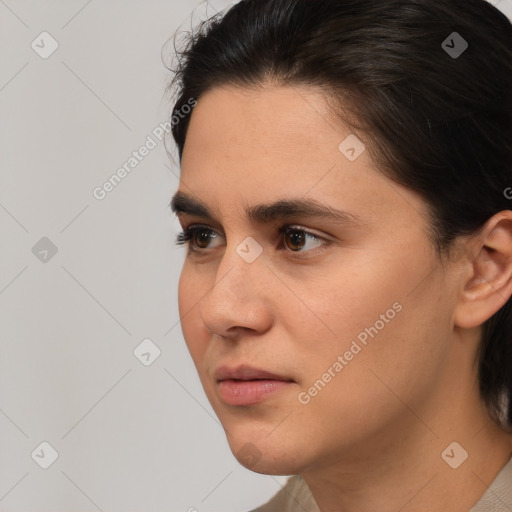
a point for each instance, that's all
(350, 316)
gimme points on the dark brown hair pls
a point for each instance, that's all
(436, 120)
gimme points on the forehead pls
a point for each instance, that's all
(248, 146)
(264, 134)
(283, 119)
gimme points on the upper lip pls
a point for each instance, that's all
(245, 372)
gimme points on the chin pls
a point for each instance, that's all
(276, 463)
(268, 455)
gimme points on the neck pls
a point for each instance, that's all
(406, 466)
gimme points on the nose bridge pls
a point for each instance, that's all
(236, 274)
(237, 298)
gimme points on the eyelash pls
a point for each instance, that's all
(188, 234)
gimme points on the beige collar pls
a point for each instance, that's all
(295, 496)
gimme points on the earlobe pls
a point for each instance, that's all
(489, 285)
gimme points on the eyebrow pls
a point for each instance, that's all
(182, 203)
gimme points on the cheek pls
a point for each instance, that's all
(376, 317)
(346, 301)
(356, 398)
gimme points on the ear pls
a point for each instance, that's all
(487, 284)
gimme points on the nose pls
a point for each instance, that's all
(240, 298)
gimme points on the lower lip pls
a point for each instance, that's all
(249, 392)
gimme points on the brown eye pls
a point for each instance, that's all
(202, 237)
(297, 240)
(196, 238)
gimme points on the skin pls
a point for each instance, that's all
(372, 438)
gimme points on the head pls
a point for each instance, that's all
(398, 291)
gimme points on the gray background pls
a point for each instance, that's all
(129, 436)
